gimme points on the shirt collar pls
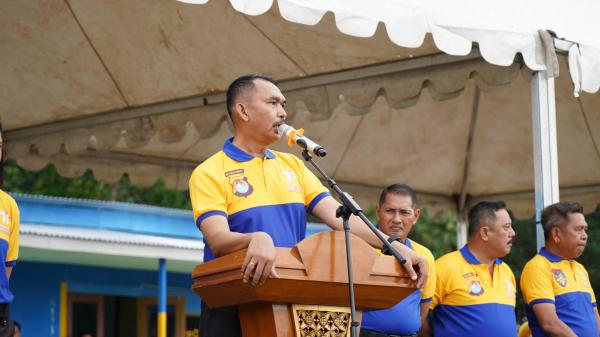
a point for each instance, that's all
(408, 244)
(551, 257)
(468, 255)
(238, 154)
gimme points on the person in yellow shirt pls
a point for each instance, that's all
(560, 299)
(9, 251)
(249, 196)
(475, 292)
(397, 213)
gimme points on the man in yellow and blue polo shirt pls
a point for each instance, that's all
(9, 251)
(248, 196)
(397, 212)
(475, 291)
(560, 299)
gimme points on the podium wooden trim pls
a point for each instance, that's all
(314, 272)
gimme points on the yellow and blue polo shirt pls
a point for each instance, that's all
(9, 241)
(469, 302)
(548, 278)
(270, 194)
(405, 317)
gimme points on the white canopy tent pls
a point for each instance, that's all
(134, 87)
(501, 30)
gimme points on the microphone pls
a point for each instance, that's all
(297, 137)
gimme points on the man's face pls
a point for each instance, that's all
(500, 234)
(396, 215)
(573, 236)
(264, 108)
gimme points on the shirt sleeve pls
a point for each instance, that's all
(13, 240)
(440, 286)
(593, 295)
(314, 191)
(208, 196)
(590, 288)
(536, 284)
(429, 288)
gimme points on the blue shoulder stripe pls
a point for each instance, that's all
(540, 300)
(315, 201)
(209, 214)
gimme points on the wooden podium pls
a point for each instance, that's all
(311, 296)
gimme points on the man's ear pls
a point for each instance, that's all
(240, 111)
(555, 234)
(483, 232)
(417, 214)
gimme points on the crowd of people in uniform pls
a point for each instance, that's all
(472, 292)
(249, 196)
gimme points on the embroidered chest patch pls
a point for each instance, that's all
(292, 181)
(475, 288)
(559, 277)
(4, 222)
(241, 186)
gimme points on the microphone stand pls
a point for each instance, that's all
(349, 207)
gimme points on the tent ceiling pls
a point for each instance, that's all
(136, 87)
(501, 29)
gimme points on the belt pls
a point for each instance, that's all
(371, 333)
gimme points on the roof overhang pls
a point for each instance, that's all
(71, 245)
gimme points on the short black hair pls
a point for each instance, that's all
(240, 85)
(399, 189)
(557, 215)
(483, 213)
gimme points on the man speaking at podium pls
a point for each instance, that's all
(247, 196)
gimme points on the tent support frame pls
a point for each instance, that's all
(545, 152)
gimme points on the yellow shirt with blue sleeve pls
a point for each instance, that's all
(270, 194)
(468, 301)
(9, 241)
(405, 317)
(548, 278)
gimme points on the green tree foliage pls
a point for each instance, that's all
(48, 182)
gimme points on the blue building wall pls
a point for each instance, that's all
(37, 289)
(37, 285)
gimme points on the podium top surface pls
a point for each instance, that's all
(313, 272)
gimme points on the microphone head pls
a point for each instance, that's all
(284, 129)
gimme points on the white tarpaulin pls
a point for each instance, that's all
(500, 28)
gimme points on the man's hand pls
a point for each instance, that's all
(260, 259)
(413, 259)
(259, 263)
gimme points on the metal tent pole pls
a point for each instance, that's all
(545, 154)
